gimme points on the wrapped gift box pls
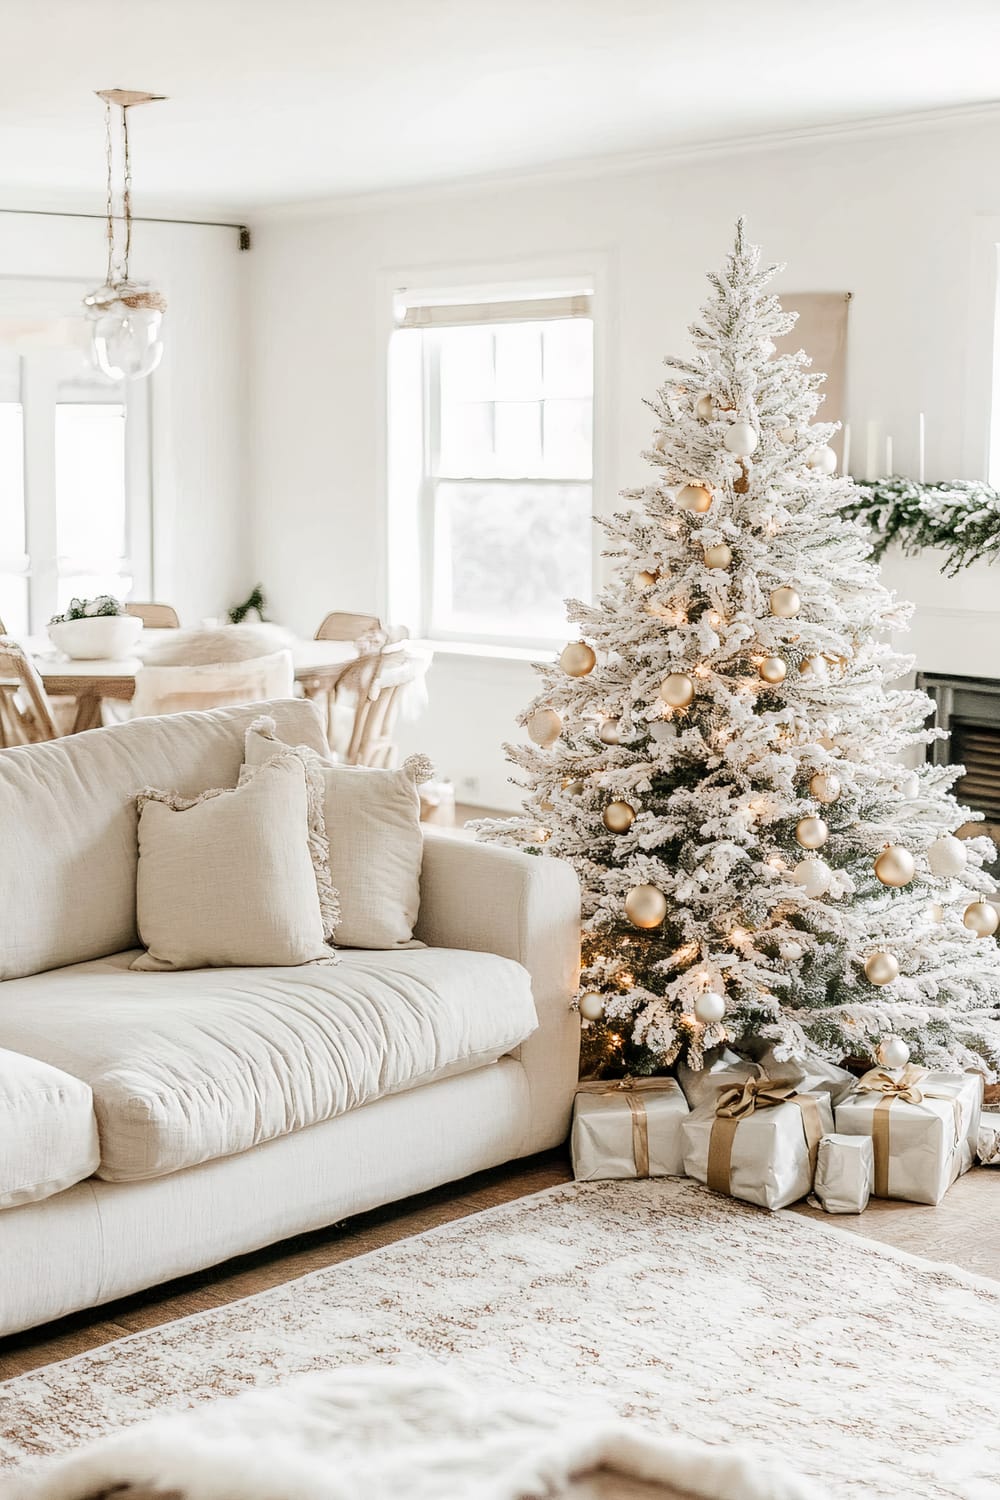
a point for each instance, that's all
(814, 1075)
(988, 1143)
(845, 1172)
(628, 1128)
(758, 1141)
(924, 1128)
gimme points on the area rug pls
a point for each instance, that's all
(862, 1367)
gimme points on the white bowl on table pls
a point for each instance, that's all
(102, 637)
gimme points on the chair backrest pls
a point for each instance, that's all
(341, 626)
(174, 690)
(382, 681)
(26, 716)
(156, 616)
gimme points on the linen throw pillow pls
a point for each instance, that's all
(228, 878)
(372, 820)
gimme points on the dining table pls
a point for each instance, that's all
(318, 667)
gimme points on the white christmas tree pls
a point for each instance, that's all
(721, 754)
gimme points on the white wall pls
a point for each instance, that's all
(899, 219)
(202, 550)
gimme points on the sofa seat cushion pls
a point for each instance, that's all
(189, 1066)
(48, 1133)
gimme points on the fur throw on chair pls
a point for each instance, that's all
(228, 643)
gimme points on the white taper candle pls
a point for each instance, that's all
(921, 435)
(845, 462)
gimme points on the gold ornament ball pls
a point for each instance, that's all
(772, 670)
(893, 1052)
(947, 855)
(811, 833)
(545, 727)
(881, 968)
(982, 918)
(719, 556)
(677, 690)
(609, 732)
(644, 579)
(785, 603)
(591, 1006)
(694, 497)
(895, 865)
(825, 787)
(741, 439)
(645, 906)
(618, 817)
(577, 659)
(704, 410)
(710, 1007)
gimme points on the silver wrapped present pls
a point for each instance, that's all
(845, 1172)
(924, 1128)
(988, 1143)
(758, 1139)
(814, 1074)
(629, 1127)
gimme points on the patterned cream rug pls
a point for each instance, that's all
(865, 1368)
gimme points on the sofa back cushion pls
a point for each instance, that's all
(68, 850)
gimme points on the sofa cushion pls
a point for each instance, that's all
(193, 1065)
(48, 1133)
(68, 815)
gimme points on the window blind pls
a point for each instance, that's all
(525, 310)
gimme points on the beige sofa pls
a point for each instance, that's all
(154, 1124)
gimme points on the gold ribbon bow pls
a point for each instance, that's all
(632, 1089)
(739, 1103)
(908, 1088)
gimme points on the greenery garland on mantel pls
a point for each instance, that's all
(958, 517)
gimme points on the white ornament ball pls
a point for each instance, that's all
(645, 906)
(893, 1052)
(895, 866)
(825, 787)
(811, 833)
(741, 439)
(704, 408)
(787, 434)
(814, 669)
(710, 1007)
(591, 1006)
(694, 497)
(814, 876)
(545, 727)
(909, 785)
(881, 968)
(785, 603)
(609, 732)
(677, 690)
(947, 855)
(982, 918)
(577, 659)
(790, 952)
(823, 460)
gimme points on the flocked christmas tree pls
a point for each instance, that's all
(720, 754)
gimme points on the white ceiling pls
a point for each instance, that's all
(276, 101)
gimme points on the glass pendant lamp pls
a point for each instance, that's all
(126, 316)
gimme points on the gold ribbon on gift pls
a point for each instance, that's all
(907, 1085)
(632, 1089)
(734, 1105)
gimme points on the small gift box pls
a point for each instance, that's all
(628, 1127)
(923, 1127)
(988, 1142)
(845, 1171)
(758, 1139)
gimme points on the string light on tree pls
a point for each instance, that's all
(644, 579)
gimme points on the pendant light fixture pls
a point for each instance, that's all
(125, 316)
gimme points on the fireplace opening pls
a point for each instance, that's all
(969, 709)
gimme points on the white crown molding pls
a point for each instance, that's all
(630, 163)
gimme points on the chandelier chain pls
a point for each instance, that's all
(126, 191)
(109, 156)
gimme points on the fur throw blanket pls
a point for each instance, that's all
(205, 648)
(385, 1434)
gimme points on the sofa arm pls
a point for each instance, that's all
(526, 907)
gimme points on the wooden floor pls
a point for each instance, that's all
(964, 1230)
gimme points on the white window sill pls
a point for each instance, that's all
(485, 651)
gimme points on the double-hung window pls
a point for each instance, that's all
(498, 399)
(74, 483)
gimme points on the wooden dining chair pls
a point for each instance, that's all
(176, 690)
(26, 716)
(342, 626)
(156, 616)
(383, 680)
